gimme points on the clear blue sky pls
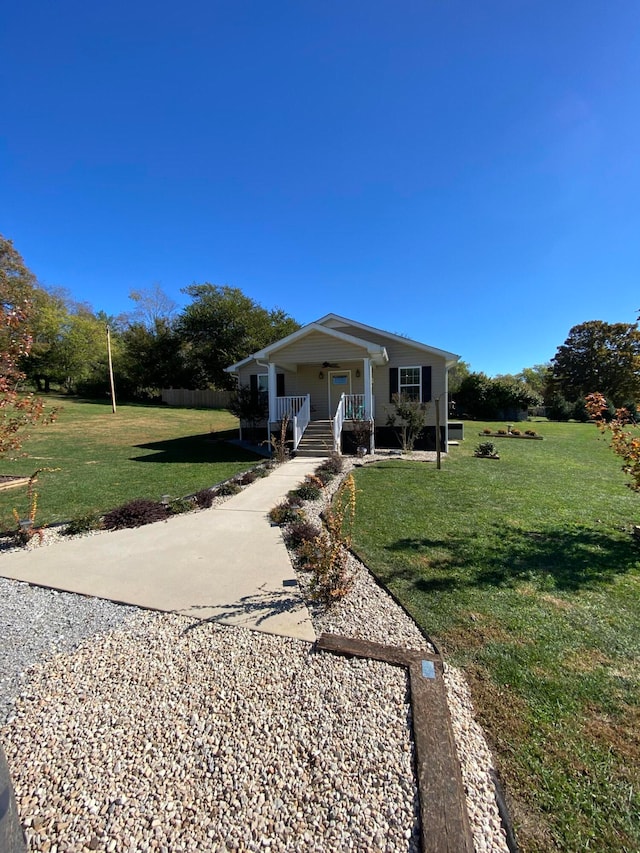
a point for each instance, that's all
(466, 173)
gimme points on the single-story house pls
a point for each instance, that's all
(334, 377)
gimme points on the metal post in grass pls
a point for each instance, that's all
(438, 449)
(113, 389)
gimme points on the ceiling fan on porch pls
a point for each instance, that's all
(331, 364)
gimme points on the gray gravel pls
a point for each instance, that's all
(37, 623)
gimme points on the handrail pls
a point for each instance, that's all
(301, 421)
(338, 420)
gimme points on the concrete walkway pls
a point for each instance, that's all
(226, 563)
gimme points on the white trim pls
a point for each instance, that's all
(411, 384)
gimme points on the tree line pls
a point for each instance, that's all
(595, 357)
(154, 345)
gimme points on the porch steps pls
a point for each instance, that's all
(317, 439)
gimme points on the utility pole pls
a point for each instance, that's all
(113, 387)
(438, 450)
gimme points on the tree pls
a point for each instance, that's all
(504, 397)
(625, 439)
(535, 378)
(152, 305)
(222, 326)
(407, 418)
(457, 373)
(17, 410)
(599, 355)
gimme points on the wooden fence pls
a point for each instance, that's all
(196, 399)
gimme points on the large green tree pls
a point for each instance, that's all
(599, 356)
(17, 409)
(222, 326)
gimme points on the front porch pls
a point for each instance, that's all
(325, 435)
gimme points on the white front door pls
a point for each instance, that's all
(339, 384)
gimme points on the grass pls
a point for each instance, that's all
(105, 459)
(524, 570)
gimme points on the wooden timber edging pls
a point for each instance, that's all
(444, 821)
(11, 833)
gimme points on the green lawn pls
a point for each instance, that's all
(524, 570)
(106, 459)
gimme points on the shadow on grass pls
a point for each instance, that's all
(207, 447)
(564, 559)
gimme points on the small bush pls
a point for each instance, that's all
(204, 498)
(486, 431)
(485, 448)
(136, 513)
(294, 499)
(285, 513)
(262, 471)
(301, 531)
(228, 488)
(314, 480)
(247, 478)
(325, 477)
(502, 432)
(515, 432)
(180, 505)
(333, 463)
(308, 492)
(530, 432)
(83, 524)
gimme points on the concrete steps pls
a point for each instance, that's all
(317, 439)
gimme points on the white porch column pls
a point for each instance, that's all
(366, 372)
(273, 392)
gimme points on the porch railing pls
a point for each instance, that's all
(354, 407)
(301, 421)
(289, 406)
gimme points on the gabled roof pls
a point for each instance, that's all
(450, 357)
(325, 325)
(376, 353)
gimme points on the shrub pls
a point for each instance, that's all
(486, 431)
(204, 498)
(301, 531)
(285, 513)
(333, 463)
(485, 448)
(314, 480)
(530, 432)
(180, 505)
(515, 432)
(308, 492)
(83, 524)
(227, 489)
(502, 432)
(136, 513)
(247, 478)
(325, 477)
(262, 471)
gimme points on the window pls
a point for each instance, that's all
(409, 382)
(263, 387)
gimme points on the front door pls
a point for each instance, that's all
(339, 384)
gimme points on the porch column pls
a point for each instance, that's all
(366, 372)
(273, 392)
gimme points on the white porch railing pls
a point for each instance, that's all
(301, 421)
(354, 407)
(289, 406)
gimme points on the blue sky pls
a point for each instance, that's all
(466, 173)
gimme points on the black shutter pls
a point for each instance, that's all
(426, 384)
(393, 382)
(280, 385)
(253, 385)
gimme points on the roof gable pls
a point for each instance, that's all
(335, 320)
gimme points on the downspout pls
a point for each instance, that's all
(236, 375)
